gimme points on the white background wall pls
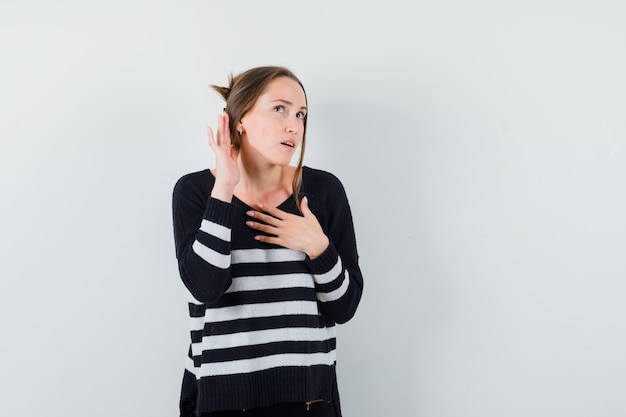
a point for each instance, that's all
(482, 144)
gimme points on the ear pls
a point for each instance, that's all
(240, 128)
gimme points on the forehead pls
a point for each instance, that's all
(284, 88)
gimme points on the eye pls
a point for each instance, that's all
(301, 115)
(279, 109)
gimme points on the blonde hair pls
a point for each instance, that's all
(242, 92)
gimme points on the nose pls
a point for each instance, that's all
(293, 126)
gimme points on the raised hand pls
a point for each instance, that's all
(301, 233)
(226, 167)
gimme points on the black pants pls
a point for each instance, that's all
(320, 409)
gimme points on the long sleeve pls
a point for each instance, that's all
(336, 272)
(202, 235)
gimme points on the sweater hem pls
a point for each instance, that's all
(265, 388)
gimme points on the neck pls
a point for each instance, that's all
(269, 184)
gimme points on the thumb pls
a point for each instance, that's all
(304, 206)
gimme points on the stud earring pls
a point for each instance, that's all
(240, 131)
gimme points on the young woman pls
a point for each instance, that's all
(268, 255)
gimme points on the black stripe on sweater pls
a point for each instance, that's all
(265, 296)
(213, 242)
(268, 349)
(261, 269)
(263, 323)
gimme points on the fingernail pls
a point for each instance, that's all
(249, 223)
(250, 213)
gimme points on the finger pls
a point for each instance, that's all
(225, 130)
(304, 206)
(272, 211)
(220, 129)
(261, 227)
(306, 211)
(234, 152)
(265, 218)
(268, 239)
(212, 143)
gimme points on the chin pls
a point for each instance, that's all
(282, 162)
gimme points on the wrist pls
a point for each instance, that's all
(223, 192)
(319, 248)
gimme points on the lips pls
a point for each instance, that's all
(289, 143)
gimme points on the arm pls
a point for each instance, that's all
(202, 227)
(336, 271)
(202, 224)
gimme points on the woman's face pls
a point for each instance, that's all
(273, 128)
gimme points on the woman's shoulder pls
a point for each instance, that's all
(315, 175)
(197, 181)
(318, 180)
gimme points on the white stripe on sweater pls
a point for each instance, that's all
(214, 229)
(258, 337)
(196, 323)
(190, 366)
(212, 257)
(244, 256)
(246, 311)
(336, 294)
(265, 282)
(331, 275)
(268, 362)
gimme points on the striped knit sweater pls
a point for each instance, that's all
(262, 316)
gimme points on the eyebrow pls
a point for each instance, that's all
(288, 102)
